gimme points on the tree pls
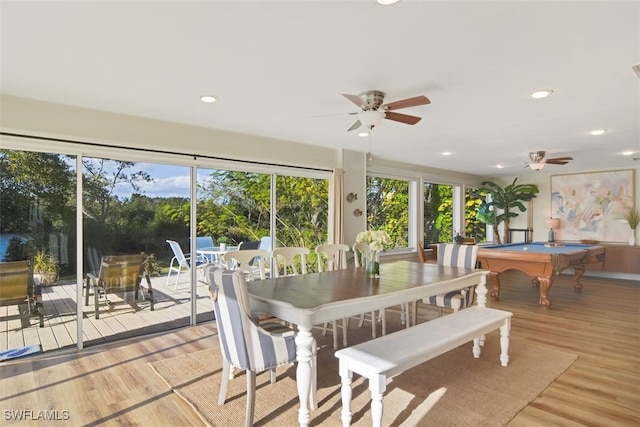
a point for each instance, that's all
(387, 201)
(506, 200)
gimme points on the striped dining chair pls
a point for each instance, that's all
(454, 255)
(245, 344)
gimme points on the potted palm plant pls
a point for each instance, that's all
(633, 219)
(46, 266)
(503, 203)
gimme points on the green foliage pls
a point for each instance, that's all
(44, 263)
(633, 218)
(17, 250)
(387, 201)
(47, 266)
(152, 266)
(503, 202)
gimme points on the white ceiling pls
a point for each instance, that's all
(279, 69)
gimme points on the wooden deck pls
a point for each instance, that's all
(118, 320)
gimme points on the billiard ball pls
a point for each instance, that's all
(525, 248)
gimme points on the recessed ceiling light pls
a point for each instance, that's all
(500, 166)
(446, 153)
(628, 153)
(598, 131)
(387, 2)
(208, 99)
(541, 94)
(363, 134)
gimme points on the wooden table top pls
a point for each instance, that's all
(310, 291)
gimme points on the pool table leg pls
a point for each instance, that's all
(545, 285)
(495, 286)
(578, 271)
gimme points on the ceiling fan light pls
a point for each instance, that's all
(541, 94)
(208, 99)
(536, 166)
(370, 118)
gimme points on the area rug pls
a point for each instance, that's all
(14, 353)
(453, 389)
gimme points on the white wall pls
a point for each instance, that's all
(54, 120)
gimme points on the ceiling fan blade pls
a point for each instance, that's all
(354, 126)
(402, 118)
(556, 162)
(562, 159)
(356, 100)
(406, 103)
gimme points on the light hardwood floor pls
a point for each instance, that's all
(111, 384)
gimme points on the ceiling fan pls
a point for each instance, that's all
(538, 161)
(373, 110)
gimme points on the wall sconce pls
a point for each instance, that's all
(351, 197)
(357, 212)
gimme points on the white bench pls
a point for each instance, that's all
(389, 355)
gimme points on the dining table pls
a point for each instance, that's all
(213, 254)
(315, 298)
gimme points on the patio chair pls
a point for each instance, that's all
(182, 260)
(119, 274)
(19, 287)
(246, 345)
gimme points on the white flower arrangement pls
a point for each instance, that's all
(376, 239)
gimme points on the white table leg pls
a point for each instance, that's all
(345, 392)
(304, 341)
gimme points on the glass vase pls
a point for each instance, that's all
(372, 264)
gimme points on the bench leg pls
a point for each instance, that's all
(345, 393)
(504, 342)
(476, 347)
(377, 386)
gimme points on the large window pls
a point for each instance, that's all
(132, 207)
(474, 228)
(302, 213)
(388, 204)
(438, 213)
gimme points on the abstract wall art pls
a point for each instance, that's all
(590, 206)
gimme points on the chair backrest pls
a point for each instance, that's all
(122, 272)
(292, 259)
(204, 242)
(253, 244)
(332, 256)
(360, 253)
(178, 254)
(265, 244)
(454, 255)
(16, 280)
(422, 257)
(243, 343)
(251, 261)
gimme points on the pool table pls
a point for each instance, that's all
(539, 260)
